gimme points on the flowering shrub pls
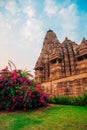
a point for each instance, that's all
(19, 91)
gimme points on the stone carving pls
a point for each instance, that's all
(63, 64)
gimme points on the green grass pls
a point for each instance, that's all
(57, 117)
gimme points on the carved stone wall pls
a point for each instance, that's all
(62, 67)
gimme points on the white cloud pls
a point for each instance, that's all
(68, 17)
(11, 6)
(20, 52)
(50, 7)
(65, 15)
(2, 3)
(21, 36)
(23, 49)
(12, 48)
(32, 30)
(69, 21)
(29, 10)
(4, 23)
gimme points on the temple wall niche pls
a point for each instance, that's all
(55, 69)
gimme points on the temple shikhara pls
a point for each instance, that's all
(62, 67)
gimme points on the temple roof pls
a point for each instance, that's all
(49, 30)
(83, 45)
(52, 48)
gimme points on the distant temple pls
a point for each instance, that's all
(62, 67)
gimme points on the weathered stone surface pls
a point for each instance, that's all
(62, 67)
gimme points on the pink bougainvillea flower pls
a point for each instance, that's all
(13, 99)
(18, 90)
(33, 96)
(7, 88)
(5, 69)
(1, 78)
(16, 104)
(11, 83)
(24, 109)
(12, 108)
(7, 109)
(42, 99)
(27, 101)
(5, 79)
(14, 74)
(1, 85)
(21, 79)
(21, 96)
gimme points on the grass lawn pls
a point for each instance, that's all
(58, 117)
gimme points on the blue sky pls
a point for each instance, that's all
(23, 25)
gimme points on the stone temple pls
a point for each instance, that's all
(62, 67)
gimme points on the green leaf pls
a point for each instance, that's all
(17, 87)
(3, 91)
(23, 74)
(25, 96)
(12, 91)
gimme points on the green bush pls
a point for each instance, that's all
(19, 91)
(59, 100)
(80, 100)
